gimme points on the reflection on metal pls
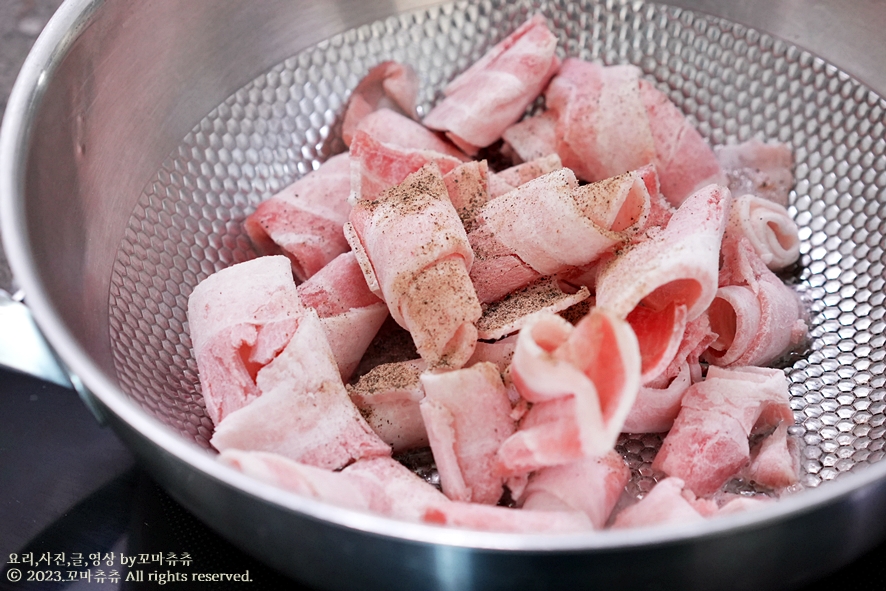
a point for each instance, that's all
(22, 346)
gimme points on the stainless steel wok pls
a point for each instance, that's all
(140, 133)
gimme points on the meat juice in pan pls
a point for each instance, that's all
(188, 222)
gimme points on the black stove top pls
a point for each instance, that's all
(78, 513)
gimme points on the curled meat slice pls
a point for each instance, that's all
(390, 127)
(655, 408)
(388, 85)
(768, 227)
(764, 169)
(532, 138)
(678, 267)
(509, 314)
(708, 443)
(377, 166)
(550, 225)
(350, 312)
(240, 318)
(414, 252)
(511, 178)
(304, 221)
(303, 412)
(665, 503)
(756, 317)
(495, 91)
(467, 415)
(388, 397)
(592, 486)
(582, 382)
(468, 187)
(505, 519)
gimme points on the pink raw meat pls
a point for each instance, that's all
(350, 312)
(468, 188)
(413, 250)
(665, 503)
(549, 225)
(388, 397)
(674, 268)
(592, 486)
(303, 412)
(708, 443)
(495, 91)
(756, 317)
(776, 463)
(684, 160)
(388, 85)
(240, 318)
(390, 127)
(377, 166)
(582, 382)
(511, 178)
(768, 227)
(758, 168)
(504, 519)
(532, 138)
(467, 415)
(304, 221)
(656, 408)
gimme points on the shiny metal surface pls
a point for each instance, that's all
(107, 95)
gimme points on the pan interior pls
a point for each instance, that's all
(733, 82)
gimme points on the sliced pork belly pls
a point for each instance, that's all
(467, 416)
(684, 160)
(240, 318)
(708, 443)
(390, 127)
(506, 316)
(764, 169)
(582, 382)
(388, 398)
(602, 127)
(768, 227)
(511, 178)
(413, 250)
(495, 91)
(406, 496)
(665, 503)
(499, 352)
(515, 239)
(377, 166)
(389, 85)
(468, 188)
(504, 519)
(656, 406)
(350, 312)
(756, 317)
(776, 464)
(303, 412)
(304, 221)
(652, 282)
(592, 486)
(532, 138)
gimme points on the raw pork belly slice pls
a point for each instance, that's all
(467, 415)
(390, 127)
(388, 85)
(468, 188)
(380, 485)
(758, 168)
(756, 317)
(377, 166)
(414, 251)
(582, 382)
(708, 443)
(508, 315)
(776, 463)
(350, 312)
(304, 221)
(511, 178)
(665, 503)
(388, 398)
(684, 160)
(303, 412)
(592, 486)
(504, 519)
(550, 225)
(768, 227)
(532, 138)
(602, 127)
(495, 91)
(656, 408)
(499, 352)
(669, 279)
(240, 318)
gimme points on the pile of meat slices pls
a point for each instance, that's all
(619, 277)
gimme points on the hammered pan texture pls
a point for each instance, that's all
(733, 82)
